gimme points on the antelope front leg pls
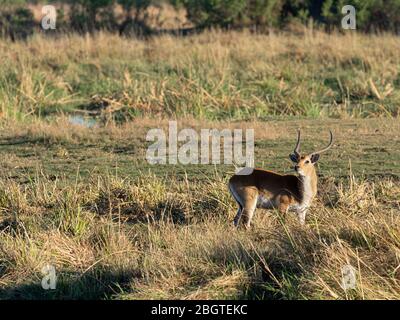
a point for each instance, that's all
(302, 215)
(237, 217)
(248, 210)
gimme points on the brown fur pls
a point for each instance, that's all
(270, 190)
(283, 191)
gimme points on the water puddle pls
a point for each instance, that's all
(80, 120)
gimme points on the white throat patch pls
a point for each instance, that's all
(307, 190)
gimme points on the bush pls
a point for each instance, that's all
(90, 15)
(262, 12)
(226, 13)
(205, 13)
(16, 22)
(371, 15)
(135, 24)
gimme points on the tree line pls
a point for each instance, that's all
(17, 21)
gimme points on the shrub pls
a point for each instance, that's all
(224, 13)
(262, 12)
(371, 15)
(135, 24)
(205, 13)
(16, 22)
(89, 15)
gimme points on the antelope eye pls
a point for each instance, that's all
(307, 161)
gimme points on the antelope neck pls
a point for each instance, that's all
(307, 188)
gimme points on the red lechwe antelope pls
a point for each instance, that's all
(270, 190)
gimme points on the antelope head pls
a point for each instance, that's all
(304, 164)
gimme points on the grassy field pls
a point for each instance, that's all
(115, 227)
(211, 76)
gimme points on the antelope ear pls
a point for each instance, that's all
(314, 158)
(293, 157)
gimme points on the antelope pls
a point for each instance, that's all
(269, 190)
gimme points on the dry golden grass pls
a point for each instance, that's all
(213, 75)
(166, 238)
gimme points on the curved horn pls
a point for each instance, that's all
(327, 147)
(297, 147)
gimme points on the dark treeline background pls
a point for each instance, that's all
(18, 21)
